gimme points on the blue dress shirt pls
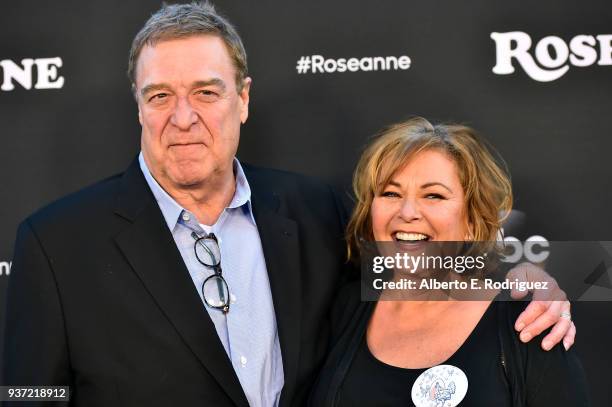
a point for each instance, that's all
(248, 331)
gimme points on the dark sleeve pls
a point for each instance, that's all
(342, 311)
(554, 378)
(35, 348)
(344, 206)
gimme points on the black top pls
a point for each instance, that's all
(352, 376)
(370, 382)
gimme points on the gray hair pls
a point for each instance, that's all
(185, 20)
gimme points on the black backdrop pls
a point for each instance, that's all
(555, 135)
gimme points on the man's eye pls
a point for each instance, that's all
(207, 93)
(158, 96)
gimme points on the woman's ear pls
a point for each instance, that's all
(469, 235)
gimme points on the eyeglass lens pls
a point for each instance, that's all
(207, 251)
(216, 292)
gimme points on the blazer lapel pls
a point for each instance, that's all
(280, 243)
(152, 253)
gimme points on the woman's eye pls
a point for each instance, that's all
(434, 196)
(390, 194)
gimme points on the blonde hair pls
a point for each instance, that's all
(485, 179)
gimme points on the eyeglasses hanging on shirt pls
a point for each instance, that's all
(214, 289)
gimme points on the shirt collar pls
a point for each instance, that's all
(172, 211)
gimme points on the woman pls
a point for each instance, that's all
(417, 182)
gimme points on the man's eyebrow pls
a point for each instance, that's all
(197, 84)
(430, 184)
(153, 87)
(209, 82)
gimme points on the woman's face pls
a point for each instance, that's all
(423, 201)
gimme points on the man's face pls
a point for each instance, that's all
(190, 110)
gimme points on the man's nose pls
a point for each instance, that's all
(410, 210)
(183, 116)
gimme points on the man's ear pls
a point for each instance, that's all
(135, 94)
(244, 99)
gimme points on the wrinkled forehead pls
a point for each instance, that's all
(169, 55)
(395, 162)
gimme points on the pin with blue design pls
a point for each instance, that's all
(440, 386)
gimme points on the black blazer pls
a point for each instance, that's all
(99, 298)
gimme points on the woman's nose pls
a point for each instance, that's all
(410, 210)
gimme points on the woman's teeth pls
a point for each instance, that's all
(410, 237)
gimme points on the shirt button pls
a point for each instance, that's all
(185, 216)
(232, 298)
(243, 361)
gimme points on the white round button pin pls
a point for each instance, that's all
(440, 386)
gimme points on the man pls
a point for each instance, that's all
(111, 288)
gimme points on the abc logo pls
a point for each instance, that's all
(534, 249)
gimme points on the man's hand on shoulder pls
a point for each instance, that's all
(549, 307)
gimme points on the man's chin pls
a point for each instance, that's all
(191, 174)
(186, 176)
(186, 150)
(190, 181)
